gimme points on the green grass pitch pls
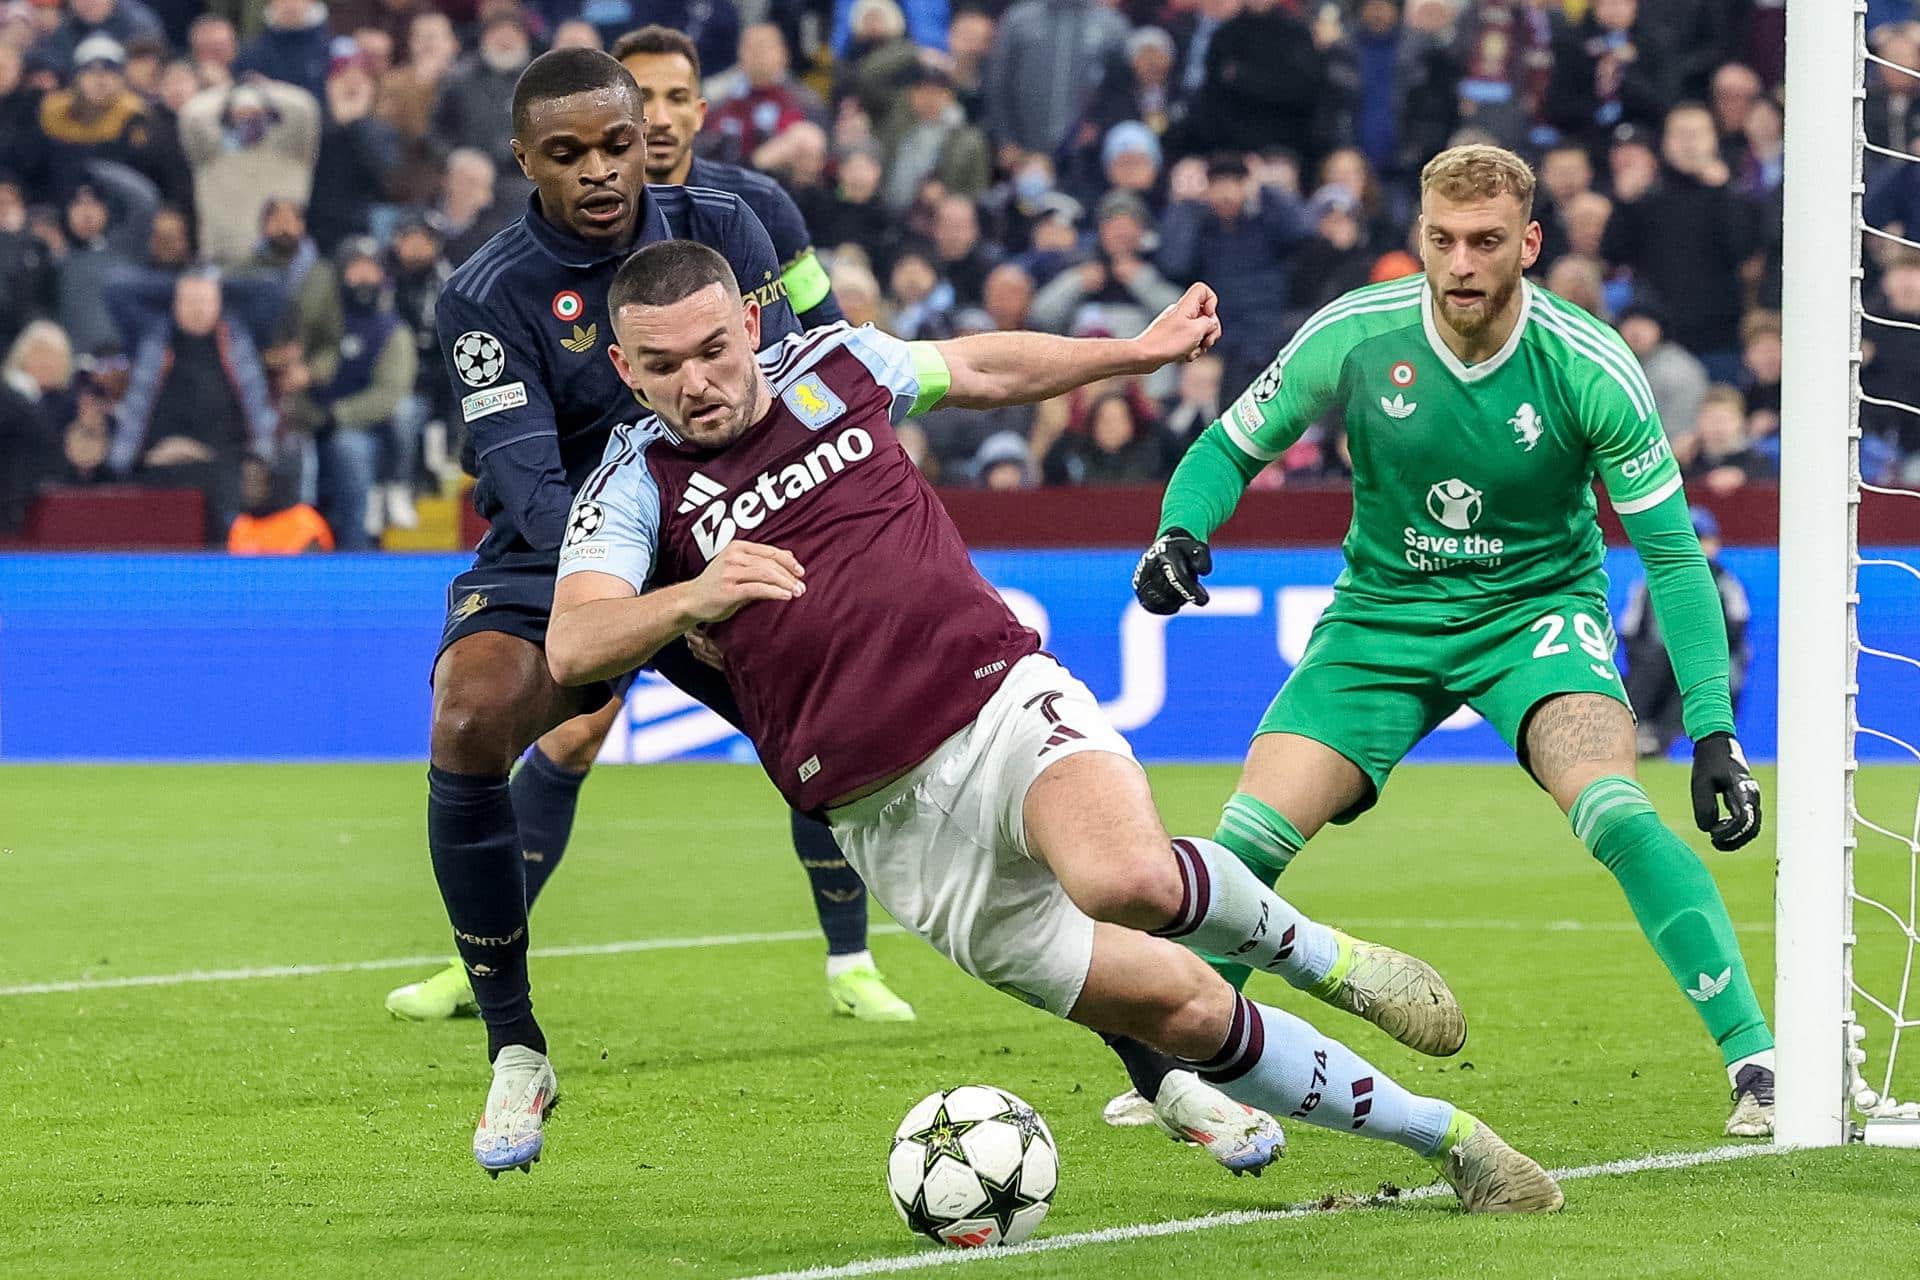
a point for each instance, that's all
(718, 1123)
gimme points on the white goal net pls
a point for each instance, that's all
(1848, 911)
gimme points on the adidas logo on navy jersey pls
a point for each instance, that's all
(770, 491)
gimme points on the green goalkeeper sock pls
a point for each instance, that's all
(1679, 909)
(1260, 836)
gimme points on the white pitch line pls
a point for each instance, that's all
(628, 947)
(937, 1257)
(414, 962)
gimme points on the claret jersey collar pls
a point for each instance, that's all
(570, 250)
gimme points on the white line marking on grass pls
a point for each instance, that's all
(933, 1256)
(415, 962)
(632, 945)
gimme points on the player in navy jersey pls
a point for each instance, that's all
(521, 325)
(973, 782)
(666, 65)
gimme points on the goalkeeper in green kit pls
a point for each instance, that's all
(1478, 409)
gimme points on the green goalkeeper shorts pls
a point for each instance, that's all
(1376, 680)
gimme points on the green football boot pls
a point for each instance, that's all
(862, 993)
(447, 994)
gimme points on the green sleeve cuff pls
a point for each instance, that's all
(1207, 484)
(1692, 624)
(930, 376)
(806, 281)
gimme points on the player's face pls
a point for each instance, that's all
(583, 153)
(692, 362)
(1475, 252)
(674, 110)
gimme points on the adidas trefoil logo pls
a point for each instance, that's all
(1398, 407)
(1711, 987)
(583, 340)
(700, 491)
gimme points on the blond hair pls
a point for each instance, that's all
(1479, 171)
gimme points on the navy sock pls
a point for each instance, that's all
(1146, 1066)
(476, 859)
(839, 895)
(544, 796)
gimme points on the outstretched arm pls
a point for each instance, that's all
(989, 370)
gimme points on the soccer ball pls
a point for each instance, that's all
(478, 358)
(972, 1166)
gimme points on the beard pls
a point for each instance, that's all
(725, 428)
(1473, 323)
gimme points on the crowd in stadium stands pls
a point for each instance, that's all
(223, 223)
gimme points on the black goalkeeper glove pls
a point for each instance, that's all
(1720, 775)
(1168, 575)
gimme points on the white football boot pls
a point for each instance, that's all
(513, 1127)
(1238, 1137)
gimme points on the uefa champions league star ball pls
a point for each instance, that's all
(972, 1166)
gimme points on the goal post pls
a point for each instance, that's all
(1819, 490)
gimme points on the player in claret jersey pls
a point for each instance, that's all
(970, 779)
(1479, 408)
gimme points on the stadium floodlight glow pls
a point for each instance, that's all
(1824, 1095)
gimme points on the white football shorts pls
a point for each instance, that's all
(944, 848)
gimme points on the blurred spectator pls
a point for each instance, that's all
(712, 25)
(406, 100)
(474, 109)
(1376, 41)
(309, 315)
(146, 57)
(1130, 158)
(170, 241)
(1266, 85)
(99, 118)
(1679, 381)
(84, 444)
(1047, 54)
(963, 260)
(359, 154)
(248, 145)
(1191, 409)
(28, 456)
(468, 209)
(197, 404)
(1241, 239)
(969, 43)
(1763, 165)
(1725, 459)
(1891, 370)
(1141, 88)
(1760, 371)
(271, 521)
(1650, 682)
(1686, 238)
(1892, 113)
(212, 49)
(354, 411)
(878, 61)
(19, 114)
(293, 49)
(1735, 89)
(920, 300)
(577, 33)
(859, 293)
(28, 277)
(420, 269)
(1606, 73)
(770, 102)
(1116, 448)
(1426, 82)
(107, 223)
(1566, 172)
(1508, 48)
(856, 213)
(1337, 258)
(1002, 462)
(1119, 279)
(39, 366)
(1007, 297)
(923, 21)
(118, 20)
(928, 136)
(1582, 281)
